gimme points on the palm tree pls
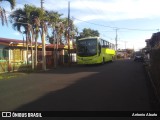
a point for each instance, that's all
(27, 18)
(3, 12)
(36, 24)
(37, 14)
(54, 21)
(19, 20)
(39, 24)
(62, 29)
(72, 28)
(70, 33)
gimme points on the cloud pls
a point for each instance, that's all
(102, 11)
(110, 10)
(107, 10)
(56, 5)
(16, 33)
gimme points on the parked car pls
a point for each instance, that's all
(138, 57)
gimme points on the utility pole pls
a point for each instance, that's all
(116, 41)
(55, 47)
(32, 51)
(42, 1)
(125, 49)
(69, 33)
(43, 42)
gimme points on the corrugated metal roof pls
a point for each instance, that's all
(7, 40)
(19, 43)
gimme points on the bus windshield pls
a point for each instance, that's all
(87, 47)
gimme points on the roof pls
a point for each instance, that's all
(11, 41)
(88, 38)
(19, 43)
(7, 41)
(154, 42)
(94, 38)
(147, 40)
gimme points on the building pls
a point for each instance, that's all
(152, 50)
(152, 45)
(154, 41)
(15, 55)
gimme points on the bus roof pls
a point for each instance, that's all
(93, 38)
(89, 38)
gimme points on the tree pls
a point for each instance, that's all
(87, 32)
(28, 18)
(3, 12)
(53, 22)
(60, 30)
(19, 20)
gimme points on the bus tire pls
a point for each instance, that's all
(103, 60)
(112, 59)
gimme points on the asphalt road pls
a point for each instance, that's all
(117, 86)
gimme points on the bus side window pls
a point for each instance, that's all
(113, 46)
(107, 45)
(103, 43)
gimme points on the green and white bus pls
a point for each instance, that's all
(94, 50)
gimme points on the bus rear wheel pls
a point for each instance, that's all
(103, 61)
(112, 59)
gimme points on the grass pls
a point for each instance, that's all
(7, 76)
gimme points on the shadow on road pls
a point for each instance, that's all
(118, 86)
(75, 68)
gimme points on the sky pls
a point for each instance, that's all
(135, 20)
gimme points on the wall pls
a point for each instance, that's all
(155, 68)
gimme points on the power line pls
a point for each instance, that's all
(24, 2)
(135, 29)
